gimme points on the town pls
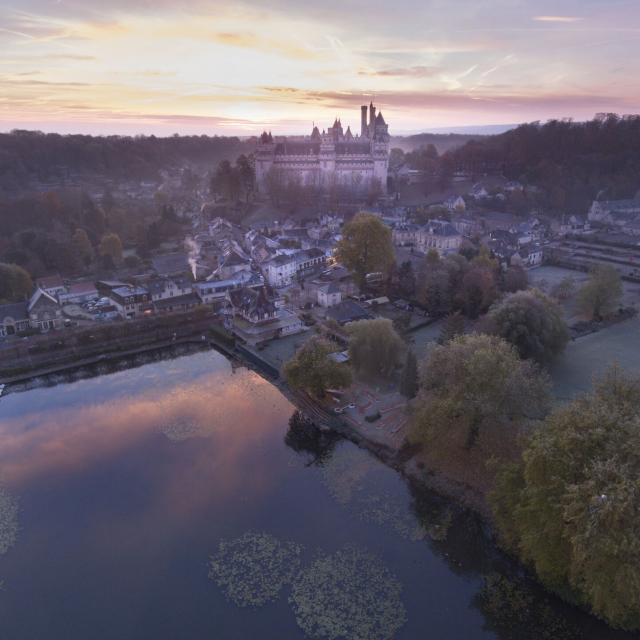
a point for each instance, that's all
(442, 309)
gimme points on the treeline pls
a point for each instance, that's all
(572, 162)
(26, 156)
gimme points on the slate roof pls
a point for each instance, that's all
(348, 311)
(16, 311)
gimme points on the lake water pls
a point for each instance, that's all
(127, 483)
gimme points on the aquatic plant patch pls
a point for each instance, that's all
(8, 521)
(349, 594)
(345, 471)
(251, 570)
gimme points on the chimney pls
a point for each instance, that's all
(363, 120)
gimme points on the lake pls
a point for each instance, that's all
(127, 483)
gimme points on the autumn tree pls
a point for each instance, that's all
(312, 370)
(477, 291)
(571, 508)
(111, 246)
(15, 283)
(532, 323)
(600, 295)
(452, 327)
(514, 279)
(472, 382)
(375, 348)
(82, 246)
(365, 246)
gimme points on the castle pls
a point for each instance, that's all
(333, 158)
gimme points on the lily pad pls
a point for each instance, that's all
(252, 569)
(349, 594)
(8, 521)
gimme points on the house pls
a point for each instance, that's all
(404, 234)
(456, 204)
(308, 260)
(171, 264)
(79, 293)
(44, 311)
(53, 285)
(617, 212)
(329, 295)
(176, 303)
(163, 288)
(253, 305)
(130, 301)
(439, 235)
(233, 262)
(513, 185)
(281, 270)
(478, 192)
(348, 311)
(255, 317)
(215, 290)
(528, 256)
(14, 318)
(465, 226)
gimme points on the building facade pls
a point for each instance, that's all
(333, 158)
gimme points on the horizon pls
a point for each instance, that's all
(207, 68)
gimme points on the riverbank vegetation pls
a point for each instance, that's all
(532, 322)
(375, 348)
(570, 507)
(313, 371)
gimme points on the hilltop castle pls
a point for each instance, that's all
(333, 157)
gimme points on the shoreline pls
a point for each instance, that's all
(460, 496)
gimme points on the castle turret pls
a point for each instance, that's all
(372, 119)
(363, 120)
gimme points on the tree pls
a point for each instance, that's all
(375, 348)
(406, 280)
(532, 323)
(313, 371)
(409, 376)
(515, 279)
(472, 382)
(111, 246)
(601, 293)
(15, 283)
(564, 289)
(82, 246)
(452, 328)
(478, 291)
(365, 246)
(571, 507)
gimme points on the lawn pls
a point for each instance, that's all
(590, 355)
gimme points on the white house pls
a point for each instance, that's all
(53, 285)
(439, 235)
(528, 256)
(456, 204)
(329, 295)
(281, 270)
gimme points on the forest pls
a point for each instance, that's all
(571, 162)
(27, 157)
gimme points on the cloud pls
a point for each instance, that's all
(248, 40)
(418, 71)
(564, 19)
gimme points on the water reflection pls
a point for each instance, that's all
(118, 520)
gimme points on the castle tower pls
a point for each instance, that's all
(372, 119)
(363, 120)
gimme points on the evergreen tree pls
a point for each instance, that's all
(409, 376)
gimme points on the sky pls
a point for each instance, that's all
(235, 68)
